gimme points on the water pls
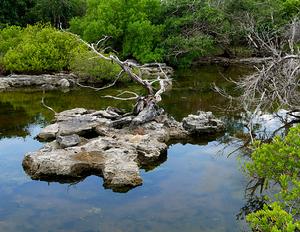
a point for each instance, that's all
(197, 188)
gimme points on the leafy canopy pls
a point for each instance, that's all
(130, 23)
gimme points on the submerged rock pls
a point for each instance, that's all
(106, 144)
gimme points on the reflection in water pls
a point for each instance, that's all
(13, 121)
(197, 189)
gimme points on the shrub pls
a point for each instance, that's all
(38, 49)
(10, 37)
(273, 219)
(192, 30)
(278, 162)
(85, 63)
(130, 24)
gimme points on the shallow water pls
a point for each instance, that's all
(196, 189)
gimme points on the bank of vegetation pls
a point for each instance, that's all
(35, 38)
(177, 32)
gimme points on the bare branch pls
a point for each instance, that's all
(48, 107)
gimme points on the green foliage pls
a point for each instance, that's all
(290, 8)
(58, 12)
(84, 63)
(10, 37)
(182, 51)
(41, 49)
(140, 41)
(130, 23)
(175, 31)
(279, 162)
(15, 12)
(273, 219)
(193, 29)
(36, 49)
(23, 12)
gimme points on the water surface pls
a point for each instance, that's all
(198, 188)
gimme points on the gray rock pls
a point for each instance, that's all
(115, 154)
(203, 123)
(48, 133)
(68, 141)
(3, 85)
(78, 125)
(64, 83)
(120, 123)
(44, 81)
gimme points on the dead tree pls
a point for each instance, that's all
(275, 83)
(146, 107)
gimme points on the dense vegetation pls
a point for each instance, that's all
(278, 162)
(42, 48)
(176, 31)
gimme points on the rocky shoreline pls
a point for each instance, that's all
(110, 144)
(69, 80)
(44, 81)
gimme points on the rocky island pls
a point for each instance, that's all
(110, 144)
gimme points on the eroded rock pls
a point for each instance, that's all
(203, 123)
(68, 141)
(117, 149)
(44, 81)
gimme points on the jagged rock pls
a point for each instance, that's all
(149, 113)
(115, 154)
(48, 133)
(44, 81)
(3, 85)
(120, 123)
(68, 141)
(64, 83)
(81, 125)
(203, 123)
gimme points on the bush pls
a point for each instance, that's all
(278, 162)
(10, 37)
(42, 48)
(192, 30)
(37, 49)
(131, 25)
(273, 219)
(84, 63)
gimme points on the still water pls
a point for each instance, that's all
(198, 187)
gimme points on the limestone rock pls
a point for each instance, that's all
(203, 123)
(44, 81)
(68, 141)
(64, 83)
(48, 133)
(111, 147)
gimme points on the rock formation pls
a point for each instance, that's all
(105, 143)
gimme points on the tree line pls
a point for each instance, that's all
(174, 31)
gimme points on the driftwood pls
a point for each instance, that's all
(146, 106)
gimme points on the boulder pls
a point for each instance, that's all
(48, 133)
(64, 83)
(68, 141)
(202, 123)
